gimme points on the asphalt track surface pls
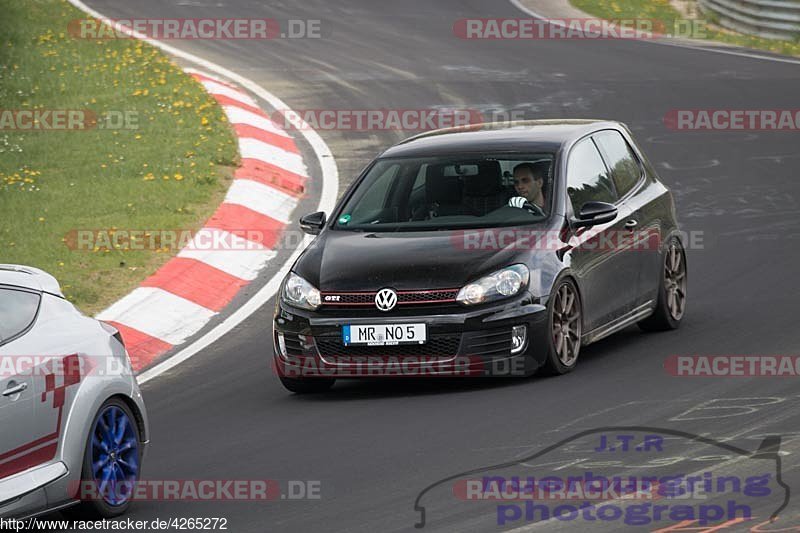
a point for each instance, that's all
(375, 445)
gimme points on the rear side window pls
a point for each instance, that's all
(625, 169)
(587, 177)
(17, 312)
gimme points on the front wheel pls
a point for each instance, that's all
(565, 323)
(671, 303)
(111, 462)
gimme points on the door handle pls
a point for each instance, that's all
(630, 224)
(15, 390)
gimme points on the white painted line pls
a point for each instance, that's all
(244, 259)
(159, 313)
(327, 201)
(518, 4)
(262, 199)
(268, 153)
(237, 115)
(224, 90)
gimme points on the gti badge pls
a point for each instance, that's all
(385, 300)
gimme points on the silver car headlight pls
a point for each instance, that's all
(496, 286)
(300, 293)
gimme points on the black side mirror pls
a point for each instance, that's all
(313, 223)
(593, 213)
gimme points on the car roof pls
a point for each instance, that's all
(519, 136)
(29, 278)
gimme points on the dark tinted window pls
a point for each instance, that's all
(374, 197)
(587, 177)
(445, 192)
(17, 311)
(624, 166)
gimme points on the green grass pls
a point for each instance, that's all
(168, 173)
(662, 10)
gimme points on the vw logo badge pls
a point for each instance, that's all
(385, 300)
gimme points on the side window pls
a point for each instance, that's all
(419, 181)
(587, 177)
(625, 169)
(17, 311)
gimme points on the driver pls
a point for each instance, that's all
(529, 184)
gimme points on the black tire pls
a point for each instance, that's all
(307, 386)
(665, 317)
(555, 363)
(96, 507)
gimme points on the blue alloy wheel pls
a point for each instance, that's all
(114, 455)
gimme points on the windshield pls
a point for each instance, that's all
(434, 193)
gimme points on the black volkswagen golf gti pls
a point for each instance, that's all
(488, 250)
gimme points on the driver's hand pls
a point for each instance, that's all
(518, 201)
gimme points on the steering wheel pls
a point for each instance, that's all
(522, 203)
(533, 209)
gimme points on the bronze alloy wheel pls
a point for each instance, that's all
(675, 281)
(566, 324)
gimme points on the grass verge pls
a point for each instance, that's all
(662, 10)
(160, 156)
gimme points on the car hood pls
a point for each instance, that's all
(363, 261)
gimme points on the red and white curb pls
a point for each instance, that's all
(183, 295)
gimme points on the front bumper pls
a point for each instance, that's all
(461, 342)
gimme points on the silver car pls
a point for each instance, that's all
(73, 425)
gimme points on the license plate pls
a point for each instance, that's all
(384, 334)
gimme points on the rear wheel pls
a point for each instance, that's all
(111, 463)
(671, 303)
(307, 386)
(565, 322)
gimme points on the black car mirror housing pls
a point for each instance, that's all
(593, 213)
(313, 222)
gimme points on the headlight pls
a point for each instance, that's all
(501, 284)
(300, 293)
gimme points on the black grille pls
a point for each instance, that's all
(293, 344)
(423, 296)
(352, 298)
(488, 343)
(436, 346)
(403, 297)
